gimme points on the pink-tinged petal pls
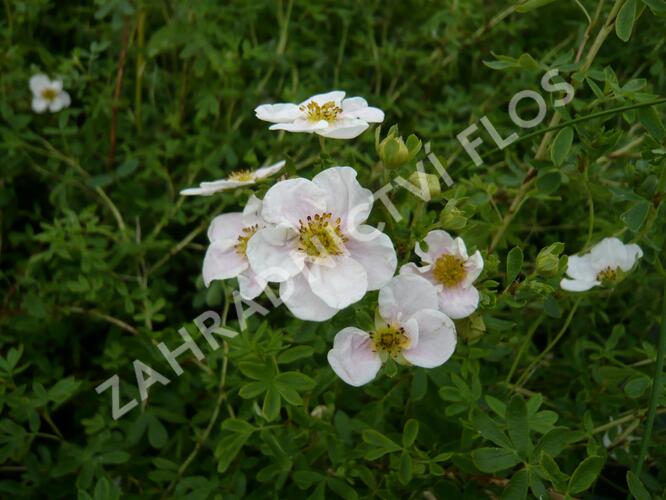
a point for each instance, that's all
(221, 263)
(352, 358)
(335, 96)
(264, 172)
(278, 113)
(366, 114)
(577, 285)
(473, 268)
(404, 295)
(226, 227)
(412, 332)
(302, 302)
(344, 196)
(274, 260)
(223, 184)
(252, 208)
(375, 253)
(39, 105)
(301, 125)
(339, 281)
(352, 104)
(437, 339)
(458, 302)
(291, 201)
(250, 285)
(439, 242)
(344, 129)
(38, 83)
(61, 101)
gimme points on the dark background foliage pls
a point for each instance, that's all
(100, 257)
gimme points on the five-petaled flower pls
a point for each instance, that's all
(316, 245)
(48, 94)
(451, 270)
(410, 329)
(605, 264)
(226, 256)
(329, 115)
(235, 179)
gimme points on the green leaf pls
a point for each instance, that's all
(295, 353)
(649, 118)
(516, 489)
(405, 468)
(228, 448)
(494, 459)
(637, 386)
(341, 488)
(585, 474)
(106, 490)
(380, 441)
(516, 421)
(559, 150)
(624, 24)
(296, 380)
(252, 390)
(271, 406)
(635, 217)
(237, 425)
(532, 5)
(551, 470)
(490, 430)
(656, 6)
(637, 488)
(289, 394)
(410, 432)
(157, 434)
(514, 262)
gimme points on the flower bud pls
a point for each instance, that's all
(548, 262)
(393, 151)
(422, 181)
(452, 217)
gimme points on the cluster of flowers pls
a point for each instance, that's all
(310, 237)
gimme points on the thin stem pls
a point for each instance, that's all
(527, 373)
(656, 388)
(523, 347)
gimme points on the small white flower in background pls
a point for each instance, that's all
(410, 329)
(235, 179)
(451, 270)
(226, 256)
(318, 248)
(48, 94)
(603, 265)
(329, 115)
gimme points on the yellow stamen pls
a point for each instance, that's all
(607, 275)
(49, 94)
(390, 340)
(321, 236)
(449, 270)
(328, 111)
(246, 234)
(241, 175)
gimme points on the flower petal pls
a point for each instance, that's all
(38, 83)
(458, 302)
(352, 104)
(375, 252)
(370, 115)
(352, 358)
(630, 255)
(300, 125)
(335, 96)
(278, 113)
(61, 101)
(577, 285)
(582, 268)
(221, 263)
(439, 242)
(263, 172)
(437, 339)
(272, 259)
(250, 285)
(339, 281)
(473, 268)
(344, 196)
(405, 295)
(39, 105)
(226, 228)
(343, 129)
(291, 201)
(302, 302)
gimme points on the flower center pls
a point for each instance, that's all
(449, 270)
(246, 234)
(49, 94)
(390, 339)
(327, 111)
(321, 236)
(241, 175)
(607, 275)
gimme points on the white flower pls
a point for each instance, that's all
(410, 329)
(235, 179)
(603, 265)
(226, 256)
(48, 94)
(451, 270)
(318, 248)
(329, 115)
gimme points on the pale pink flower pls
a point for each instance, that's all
(235, 179)
(48, 94)
(410, 329)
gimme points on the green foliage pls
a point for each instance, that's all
(100, 257)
